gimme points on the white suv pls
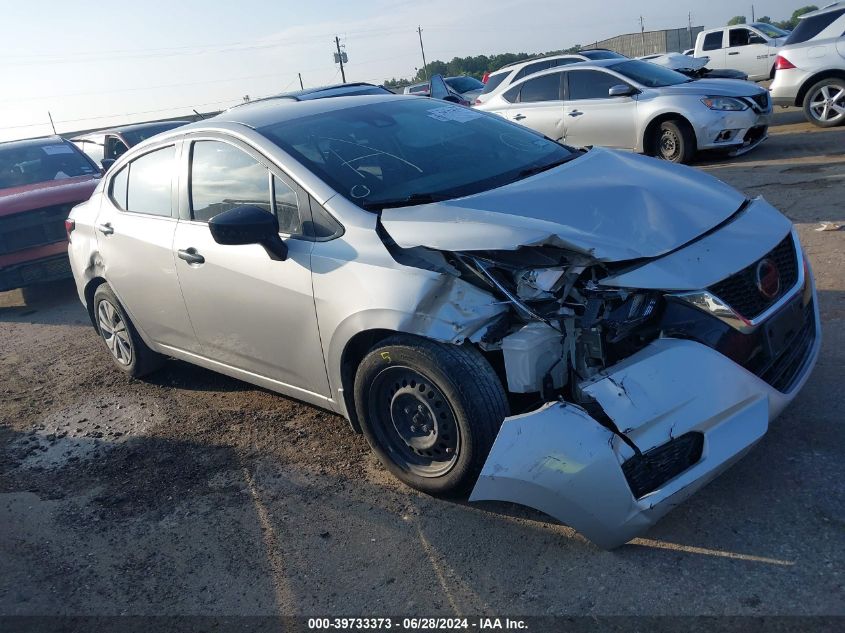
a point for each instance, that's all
(499, 81)
(811, 67)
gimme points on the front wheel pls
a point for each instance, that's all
(429, 411)
(824, 103)
(674, 141)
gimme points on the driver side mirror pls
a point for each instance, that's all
(622, 90)
(249, 224)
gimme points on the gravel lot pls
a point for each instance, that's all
(192, 493)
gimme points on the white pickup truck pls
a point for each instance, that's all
(751, 48)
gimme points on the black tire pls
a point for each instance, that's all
(674, 141)
(132, 357)
(429, 411)
(815, 96)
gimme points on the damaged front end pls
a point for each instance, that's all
(628, 400)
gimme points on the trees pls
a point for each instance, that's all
(737, 19)
(474, 66)
(792, 22)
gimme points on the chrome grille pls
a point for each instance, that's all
(739, 291)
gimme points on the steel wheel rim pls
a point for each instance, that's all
(827, 104)
(414, 422)
(669, 145)
(114, 332)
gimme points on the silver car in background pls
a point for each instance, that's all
(811, 67)
(635, 105)
(592, 333)
(502, 79)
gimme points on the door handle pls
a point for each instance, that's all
(105, 229)
(576, 113)
(734, 53)
(191, 256)
(519, 117)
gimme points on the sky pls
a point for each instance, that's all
(95, 64)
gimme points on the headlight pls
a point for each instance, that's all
(724, 103)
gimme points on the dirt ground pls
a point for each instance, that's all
(192, 493)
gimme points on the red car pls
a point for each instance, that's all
(41, 180)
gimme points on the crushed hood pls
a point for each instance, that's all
(677, 61)
(714, 88)
(611, 205)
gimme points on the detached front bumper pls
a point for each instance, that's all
(563, 462)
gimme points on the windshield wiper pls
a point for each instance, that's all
(407, 201)
(525, 173)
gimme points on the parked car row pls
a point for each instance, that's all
(635, 105)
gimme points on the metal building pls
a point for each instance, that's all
(651, 42)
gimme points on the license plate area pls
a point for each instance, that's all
(782, 328)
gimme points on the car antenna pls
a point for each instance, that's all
(202, 118)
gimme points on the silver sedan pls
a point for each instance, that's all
(595, 334)
(635, 105)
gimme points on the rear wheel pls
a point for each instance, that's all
(129, 352)
(824, 103)
(430, 411)
(673, 140)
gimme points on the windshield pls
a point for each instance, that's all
(648, 74)
(464, 84)
(24, 164)
(133, 137)
(406, 150)
(769, 30)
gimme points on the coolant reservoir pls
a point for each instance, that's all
(530, 353)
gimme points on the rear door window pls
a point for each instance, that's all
(530, 69)
(808, 28)
(712, 41)
(493, 82)
(150, 179)
(543, 88)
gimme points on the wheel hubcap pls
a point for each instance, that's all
(668, 144)
(828, 104)
(113, 331)
(414, 422)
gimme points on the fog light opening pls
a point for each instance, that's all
(725, 135)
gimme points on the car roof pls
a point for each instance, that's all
(32, 142)
(513, 65)
(836, 6)
(309, 94)
(260, 113)
(598, 63)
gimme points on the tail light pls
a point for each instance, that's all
(478, 102)
(485, 77)
(70, 225)
(782, 63)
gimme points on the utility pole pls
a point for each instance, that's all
(642, 33)
(689, 22)
(422, 50)
(301, 87)
(340, 58)
(753, 19)
(53, 125)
